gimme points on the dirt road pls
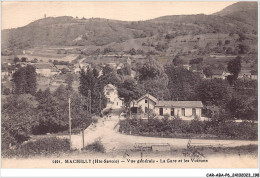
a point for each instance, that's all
(105, 131)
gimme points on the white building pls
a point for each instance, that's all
(113, 101)
(186, 110)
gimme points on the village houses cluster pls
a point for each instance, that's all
(184, 109)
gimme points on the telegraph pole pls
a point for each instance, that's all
(69, 123)
(89, 102)
(148, 107)
(100, 102)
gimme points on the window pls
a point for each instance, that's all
(172, 111)
(145, 110)
(194, 111)
(145, 101)
(183, 111)
(161, 111)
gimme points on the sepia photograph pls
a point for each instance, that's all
(171, 84)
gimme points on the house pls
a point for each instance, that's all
(145, 102)
(186, 110)
(183, 109)
(254, 75)
(112, 64)
(120, 66)
(62, 68)
(246, 74)
(186, 66)
(44, 69)
(113, 100)
(133, 73)
(128, 60)
(5, 74)
(221, 74)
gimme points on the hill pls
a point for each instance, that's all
(178, 34)
(242, 11)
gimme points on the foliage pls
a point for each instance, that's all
(129, 90)
(25, 80)
(234, 66)
(196, 60)
(177, 61)
(172, 127)
(208, 71)
(42, 146)
(69, 80)
(97, 146)
(18, 118)
(182, 83)
(152, 76)
(243, 107)
(55, 62)
(92, 86)
(16, 59)
(213, 92)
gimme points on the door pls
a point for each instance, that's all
(161, 111)
(193, 111)
(172, 111)
(183, 111)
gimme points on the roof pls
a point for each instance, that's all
(60, 67)
(42, 66)
(184, 104)
(248, 72)
(110, 86)
(217, 72)
(148, 96)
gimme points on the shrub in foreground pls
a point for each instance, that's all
(43, 146)
(97, 146)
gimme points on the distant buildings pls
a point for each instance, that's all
(113, 100)
(44, 69)
(220, 74)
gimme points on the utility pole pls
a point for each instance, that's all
(89, 101)
(148, 107)
(82, 138)
(100, 102)
(70, 123)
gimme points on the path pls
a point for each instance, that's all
(104, 130)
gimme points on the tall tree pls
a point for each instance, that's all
(182, 83)
(92, 87)
(25, 80)
(234, 66)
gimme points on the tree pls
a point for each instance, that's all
(213, 92)
(196, 60)
(243, 107)
(243, 49)
(234, 66)
(69, 80)
(177, 61)
(90, 84)
(150, 69)
(130, 90)
(25, 80)
(51, 117)
(182, 83)
(16, 59)
(18, 118)
(23, 59)
(207, 71)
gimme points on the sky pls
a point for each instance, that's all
(18, 14)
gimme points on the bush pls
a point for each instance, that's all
(43, 146)
(171, 127)
(97, 146)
